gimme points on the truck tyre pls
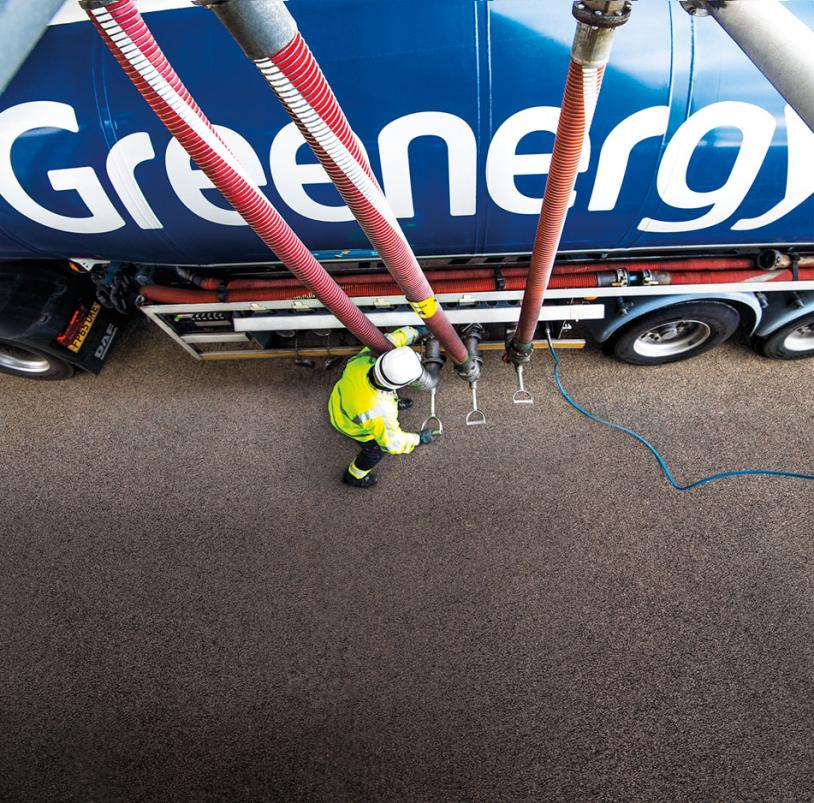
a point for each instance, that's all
(674, 333)
(793, 341)
(30, 363)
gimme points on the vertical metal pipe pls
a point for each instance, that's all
(596, 22)
(22, 23)
(777, 42)
(268, 34)
(125, 33)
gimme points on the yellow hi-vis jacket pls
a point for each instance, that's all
(362, 411)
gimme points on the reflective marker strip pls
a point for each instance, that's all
(376, 412)
(357, 472)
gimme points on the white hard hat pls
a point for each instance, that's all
(397, 368)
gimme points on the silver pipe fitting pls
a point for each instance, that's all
(432, 362)
(260, 27)
(598, 19)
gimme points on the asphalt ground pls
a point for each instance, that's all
(193, 608)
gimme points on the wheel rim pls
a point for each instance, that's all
(672, 338)
(21, 360)
(801, 339)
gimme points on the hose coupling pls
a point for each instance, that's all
(602, 13)
(469, 370)
(261, 28)
(695, 8)
(770, 259)
(517, 353)
(432, 362)
(189, 275)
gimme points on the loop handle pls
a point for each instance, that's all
(523, 396)
(475, 418)
(428, 421)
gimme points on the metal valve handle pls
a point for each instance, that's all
(432, 416)
(475, 416)
(521, 395)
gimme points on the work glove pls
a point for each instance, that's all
(425, 436)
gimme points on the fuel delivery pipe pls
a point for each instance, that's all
(268, 34)
(125, 33)
(776, 41)
(597, 21)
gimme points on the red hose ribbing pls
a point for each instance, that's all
(269, 292)
(375, 286)
(159, 85)
(443, 275)
(706, 263)
(294, 75)
(722, 277)
(571, 131)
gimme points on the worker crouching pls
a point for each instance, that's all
(364, 405)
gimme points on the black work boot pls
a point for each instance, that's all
(368, 481)
(405, 404)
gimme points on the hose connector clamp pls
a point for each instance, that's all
(695, 8)
(518, 353)
(261, 28)
(602, 13)
(469, 370)
(432, 363)
(90, 5)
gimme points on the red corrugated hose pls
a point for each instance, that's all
(124, 32)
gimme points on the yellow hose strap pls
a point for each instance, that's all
(426, 308)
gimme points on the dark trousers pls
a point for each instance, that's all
(369, 456)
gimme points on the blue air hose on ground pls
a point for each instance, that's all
(662, 462)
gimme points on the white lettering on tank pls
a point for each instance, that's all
(616, 150)
(290, 177)
(503, 163)
(756, 128)
(462, 155)
(799, 178)
(752, 131)
(189, 182)
(26, 117)
(124, 157)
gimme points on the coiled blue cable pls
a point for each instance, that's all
(654, 451)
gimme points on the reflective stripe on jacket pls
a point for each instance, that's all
(362, 411)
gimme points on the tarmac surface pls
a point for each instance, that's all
(193, 608)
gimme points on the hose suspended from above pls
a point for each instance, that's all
(596, 23)
(268, 34)
(125, 33)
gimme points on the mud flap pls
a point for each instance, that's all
(47, 307)
(88, 339)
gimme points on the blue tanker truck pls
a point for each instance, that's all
(691, 216)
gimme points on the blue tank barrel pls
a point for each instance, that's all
(690, 147)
